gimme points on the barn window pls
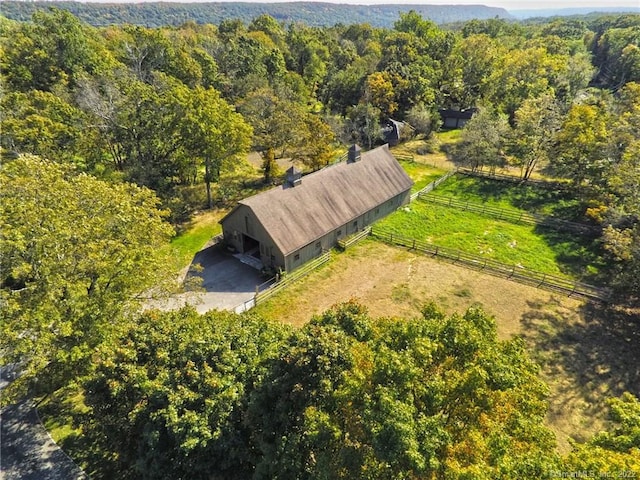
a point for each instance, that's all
(377, 210)
(318, 244)
(355, 224)
(296, 257)
(246, 224)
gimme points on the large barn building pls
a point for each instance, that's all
(289, 225)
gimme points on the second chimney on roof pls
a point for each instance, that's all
(294, 176)
(354, 154)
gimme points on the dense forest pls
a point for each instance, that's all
(112, 137)
(316, 14)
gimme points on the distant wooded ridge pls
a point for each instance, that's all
(310, 13)
(571, 12)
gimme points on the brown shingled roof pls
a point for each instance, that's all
(328, 198)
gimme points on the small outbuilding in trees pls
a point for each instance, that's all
(456, 118)
(289, 225)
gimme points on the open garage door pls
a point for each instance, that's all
(250, 246)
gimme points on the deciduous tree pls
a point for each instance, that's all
(171, 393)
(77, 254)
(41, 123)
(580, 153)
(484, 139)
(214, 132)
(536, 123)
(615, 452)
(54, 49)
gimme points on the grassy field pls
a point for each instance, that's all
(505, 242)
(538, 248)
(397, 282)
(514, 197)
(583, 359)
(421, 174)
(437, 144)
(195, 235)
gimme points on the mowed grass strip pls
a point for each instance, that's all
(504, 242)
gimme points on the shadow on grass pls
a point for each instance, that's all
(578, 255)
(81, 440)
(588, 355)
(530, 198)
(86, 451)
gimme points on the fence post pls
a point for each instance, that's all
(414, 244)
(574, 289)
(542, 281)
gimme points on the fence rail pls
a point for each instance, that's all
(274, 285)
(509, 215)
(346, 243)
(292, 277)
(432, 185)
(510, 272)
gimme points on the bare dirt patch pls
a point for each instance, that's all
(585, 351)
(397, 282)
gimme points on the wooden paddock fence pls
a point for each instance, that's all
(511, 272)
(273, 285)
(432, 185)
(547, 184)
(510, 215)
(353, 239)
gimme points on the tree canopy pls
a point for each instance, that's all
(346, 396)
(76, 254)
(102, 127)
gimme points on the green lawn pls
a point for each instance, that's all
(421, 174)
(512, 196)
(530, 246)
(67, 419)
(194, 236)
